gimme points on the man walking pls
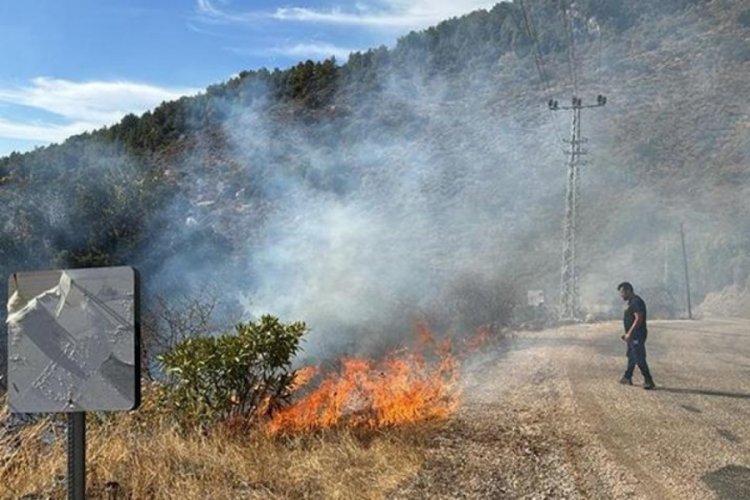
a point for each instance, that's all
(636, 332)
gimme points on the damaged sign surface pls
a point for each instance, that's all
(73, 340)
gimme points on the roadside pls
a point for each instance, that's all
(549, 420)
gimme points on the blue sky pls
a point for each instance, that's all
(75, 65)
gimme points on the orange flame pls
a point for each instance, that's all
(406, 386)
(480, 339)
(303, 376)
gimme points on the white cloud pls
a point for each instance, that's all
(380, 14)
(80, 106)
(314, 50)
(41, 132)
(208, 12)
(305, 50)
(96, 101)
(337, 16)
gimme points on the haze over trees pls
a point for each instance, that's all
(405, 173)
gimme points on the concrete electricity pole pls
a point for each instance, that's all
(687, 277)
(569, 300)
(666, 264)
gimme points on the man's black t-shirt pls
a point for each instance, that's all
(636, 305)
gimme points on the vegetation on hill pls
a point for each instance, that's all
(445, 138)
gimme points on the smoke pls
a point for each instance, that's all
(381, 208)
(370, 213)
(414, 189)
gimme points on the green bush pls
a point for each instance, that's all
(244, 374)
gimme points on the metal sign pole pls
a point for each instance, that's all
(77, 456)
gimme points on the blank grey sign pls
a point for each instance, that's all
(73, 340)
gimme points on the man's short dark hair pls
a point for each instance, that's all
(625, 285)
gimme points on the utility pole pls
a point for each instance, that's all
(569, 299)
(687, 278)
(666, 264)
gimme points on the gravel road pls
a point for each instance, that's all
(545, 417)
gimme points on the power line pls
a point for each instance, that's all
(569, 292)
(569, 296)
(539, 62)
(599, 56)
(571, 47)
(537, 53)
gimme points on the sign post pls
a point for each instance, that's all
(76, 456)
(73, 347)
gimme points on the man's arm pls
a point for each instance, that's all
(636, 322)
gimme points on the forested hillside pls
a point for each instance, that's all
(423, 179)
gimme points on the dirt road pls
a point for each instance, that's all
(548, 418)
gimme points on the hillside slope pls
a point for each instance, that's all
(355, 196)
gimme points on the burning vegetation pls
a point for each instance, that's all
(226, 391)
(244, 379)
(406, 386)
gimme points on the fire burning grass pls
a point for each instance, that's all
(407, 386)
(321, 446)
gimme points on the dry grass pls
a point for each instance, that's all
(148, 457)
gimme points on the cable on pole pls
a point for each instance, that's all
(571, 47)
(537, 53)
(539, 62)
(599, 56)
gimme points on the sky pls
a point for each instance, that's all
(76, 65)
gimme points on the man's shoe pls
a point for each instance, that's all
(626, 381)
(649, 385)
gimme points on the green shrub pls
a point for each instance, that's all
(245, 374)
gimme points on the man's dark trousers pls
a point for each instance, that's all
(637, 356)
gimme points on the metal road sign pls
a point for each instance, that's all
(73, 340)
